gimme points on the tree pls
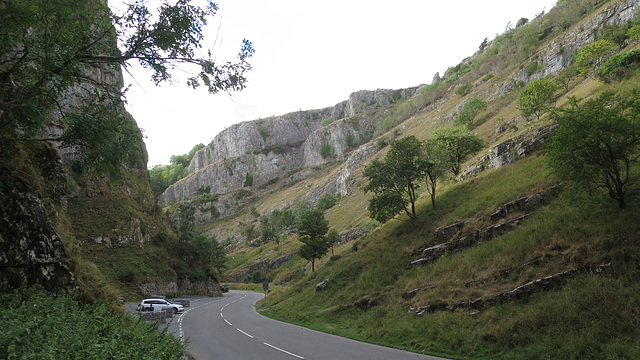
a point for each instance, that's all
(455, 144)
(469, 111)
(537, 97)
(48, 47)
(567, 75)
(250, 232)
(312, 228)
(327, 201)
(186, 220)
(596, 145)
(591, 56)
(332, 238)
(394, 182)
(268, 231)
(437, 164)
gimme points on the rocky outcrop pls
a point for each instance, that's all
(275, 147)
(474, 306)
(510, 150)
(556, 56)
(31, 251)
(452, 238)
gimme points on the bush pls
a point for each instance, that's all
(326, 150)
(464, 89)
(327, 201)
(38, 325)
(619, 66)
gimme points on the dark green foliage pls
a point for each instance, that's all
(464, 89)
(597, 144)
(327, 150)
(268, 231)
(619, 66)
(37, 325)
(617, 34)
(163, 176)
(327, 201)
(458, 144)
(50, 46)
(312, 228)
(469, 111)
(250, 232)
(349, 139)
(332, 238)
(257, 277)
(248, 180)
(395, 181)
(532, 68)
(195, 251)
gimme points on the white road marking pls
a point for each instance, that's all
(244, 333)
(284, 351)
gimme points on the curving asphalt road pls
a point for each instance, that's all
(230, 328)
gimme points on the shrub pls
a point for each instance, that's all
(326, 150)
(38, 325)
(349, 139)
(464, 89)
(248, 180)
(619, 66)
(327, 201)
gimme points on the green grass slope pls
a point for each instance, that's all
(588, 315)
(563, 284)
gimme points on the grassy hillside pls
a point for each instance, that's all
(588, 315)
(563, 284)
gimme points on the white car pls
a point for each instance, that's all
(159, 305)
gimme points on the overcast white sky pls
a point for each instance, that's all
(313, 54)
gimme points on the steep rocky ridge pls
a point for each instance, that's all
(504, 146)
(64, 226)
(274, 147)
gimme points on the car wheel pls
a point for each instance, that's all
(175, 310)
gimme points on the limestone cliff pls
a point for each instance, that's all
(274, 147)
(290, 146)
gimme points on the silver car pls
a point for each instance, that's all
(159, 305)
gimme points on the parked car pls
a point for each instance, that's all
(159, 305)
(224, 288)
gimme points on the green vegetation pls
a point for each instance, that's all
(35, 324)
(327, 150)
(163, 176)
(591, 56)
(458, 144)
(327, 201)
(619, 66)
(312, 228)
(394, 182)
(597, 144)
(248, 180)
(537, 97)
(469, 111)
(48, 47)
(573, 320)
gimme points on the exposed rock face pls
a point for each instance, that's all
(31, 250)
(271, 148)
(556, 56)
(510, 150)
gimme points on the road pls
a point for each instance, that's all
(230, 328)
